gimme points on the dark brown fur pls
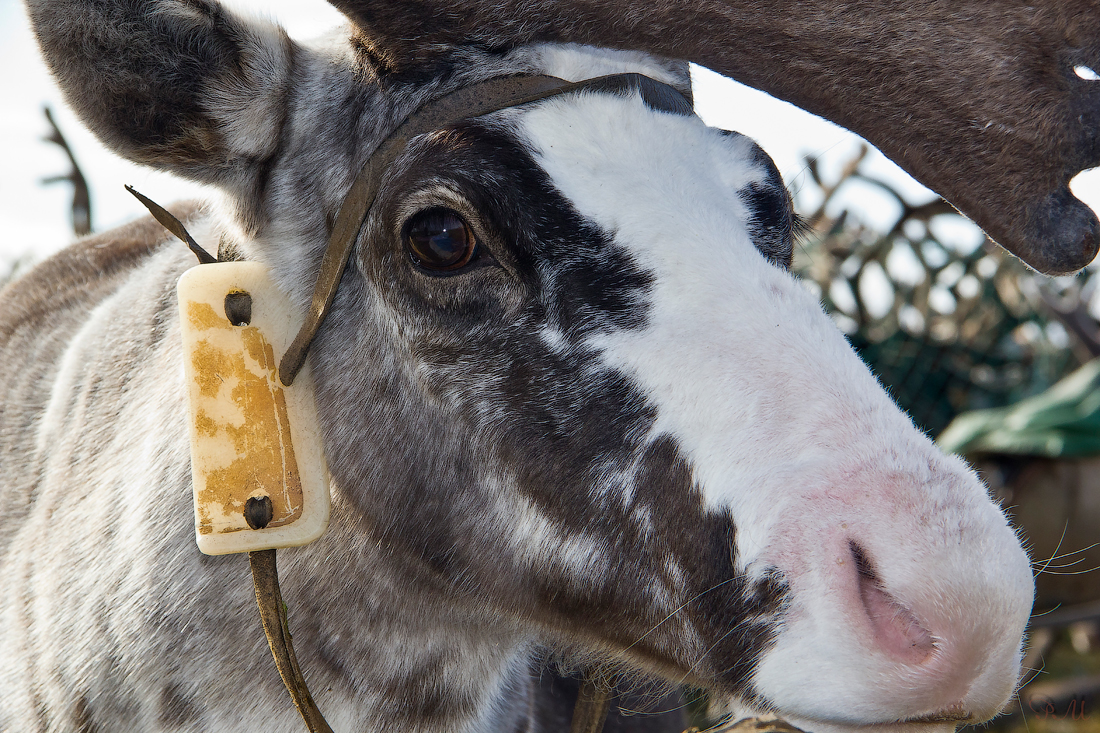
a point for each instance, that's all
(976, 98)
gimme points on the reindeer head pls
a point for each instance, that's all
(567, 382)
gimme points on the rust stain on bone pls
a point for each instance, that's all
(242, 408)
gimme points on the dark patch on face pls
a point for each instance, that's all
(573, 276)
(772, 221)
(472, 384)
(176, 708)
(772, 224)
(703, 543)
(657, 96)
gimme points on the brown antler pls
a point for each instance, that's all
(976, 98)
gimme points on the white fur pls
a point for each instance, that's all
(742, 363)
(543, 543)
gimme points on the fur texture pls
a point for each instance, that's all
(976, 99)
(622, 431)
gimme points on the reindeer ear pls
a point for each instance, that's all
(976, 98)
(183, 85)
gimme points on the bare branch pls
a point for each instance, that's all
(82, 200)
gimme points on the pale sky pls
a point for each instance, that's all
(34, 218)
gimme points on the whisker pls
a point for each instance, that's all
(1074, 572)
(1068, 564)
(1020, 700)
(681, 607)
(648, 692)
(1064, 564)
(1056, 549)
(1044, 613)
(703, 656)
(631, 712)
(1073, 552)
(1035, 673)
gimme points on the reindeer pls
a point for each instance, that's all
(572, 401)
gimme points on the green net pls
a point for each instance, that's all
(946, 328)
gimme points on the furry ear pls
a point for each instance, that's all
(978, 99)
(183, 85)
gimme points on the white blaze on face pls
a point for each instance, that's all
(786, 428)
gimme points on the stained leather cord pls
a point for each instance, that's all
(265, 576)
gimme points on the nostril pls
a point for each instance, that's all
(893, 626)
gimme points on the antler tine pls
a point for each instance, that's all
(978, 99)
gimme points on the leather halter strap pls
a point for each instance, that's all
(269, 599)
(472, 101)
(594, 698)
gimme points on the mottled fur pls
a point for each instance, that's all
(577, 442)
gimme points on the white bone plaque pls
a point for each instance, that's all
(251, 437)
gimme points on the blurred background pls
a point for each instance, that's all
(996, 362)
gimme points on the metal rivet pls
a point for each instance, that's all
(238, 308)
(258, 511)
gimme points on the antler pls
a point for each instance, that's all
(978, 99)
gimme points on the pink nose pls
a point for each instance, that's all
(894, 628)
(918, 639)
(887, 624)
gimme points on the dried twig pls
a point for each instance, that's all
(82, 200)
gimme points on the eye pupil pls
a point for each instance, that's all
(439, 239)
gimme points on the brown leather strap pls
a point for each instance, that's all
(594, 698)
(265, 576)
(472, 101)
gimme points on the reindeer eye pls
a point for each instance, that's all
(439, 239)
